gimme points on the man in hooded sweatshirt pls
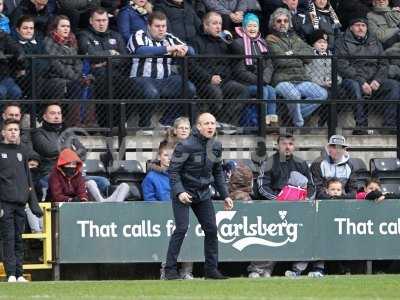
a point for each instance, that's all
(336, 164)
(16, 189)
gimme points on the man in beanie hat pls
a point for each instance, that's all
(335, 164)
(365, 77)
(289, 74)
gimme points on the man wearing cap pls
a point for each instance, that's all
(334, 165)
(365, 78)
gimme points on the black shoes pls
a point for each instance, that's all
(214, 274)
(172, 275)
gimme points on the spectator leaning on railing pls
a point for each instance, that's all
(365, 78)
(289, 74)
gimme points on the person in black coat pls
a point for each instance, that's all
(40, 10)
(275, 171)
(195, 165)
(214, 76)
(183, 21)
(16, 189)
(31, 45)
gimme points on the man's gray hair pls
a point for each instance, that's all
(279, 12)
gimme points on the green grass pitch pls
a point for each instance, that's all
(330, 287)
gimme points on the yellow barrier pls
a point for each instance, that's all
(45, 236)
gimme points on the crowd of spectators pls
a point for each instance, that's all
(171, 29)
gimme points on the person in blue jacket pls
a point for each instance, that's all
(133, 17)
(156, 186)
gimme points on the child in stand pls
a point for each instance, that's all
(373, 191)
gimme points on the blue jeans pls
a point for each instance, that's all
(268, 95)
(102, 183)
(9, 89)
(169, 88)
(389, 90)
(297, 91)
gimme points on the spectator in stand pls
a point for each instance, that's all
(16, 189)
(336, 164)
(334, 189)
(101, 41)
(298, 12)
(346, 9)
(179, 131)
(4, 20)
(241, 183)
(373, 191)
(384, 22)
(31, 45)
(231, 11)
(50, 139)
(67, 184)
(214, 78)
(10, 6)
(153, 78)
(64, 74)
(365, 78)
(289, 74)
(274, 176)
(8, 88)
(78, 11)
(133, 17)
(322, 16)
(250, 42)
(40, 10)
(183, 21)
(13, 111)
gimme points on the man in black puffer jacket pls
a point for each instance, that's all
(275, 171)
(195, 165)
(16, 189)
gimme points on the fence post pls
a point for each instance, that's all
(110, 113)
(332, 111)
(398, 129)
(33, 90)
(190, 108)
(262, 130)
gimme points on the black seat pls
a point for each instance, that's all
(391, 188)
(94, 167)
(360, 171)
(385, 168)
(127, 171)
(246, 161)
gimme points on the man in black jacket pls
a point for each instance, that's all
(366, 78)
(195, 164)
(16, 189)
(183, 21)
(275, 171)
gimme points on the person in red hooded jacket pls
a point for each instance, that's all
(67, 184)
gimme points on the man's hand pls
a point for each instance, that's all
(185, 198)
(366, 89)
(216, 80)
(375, 85)
(181, 50)
(228, 203)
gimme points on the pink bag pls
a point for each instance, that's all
(292, 193)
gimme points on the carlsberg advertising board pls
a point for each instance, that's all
(262, 230)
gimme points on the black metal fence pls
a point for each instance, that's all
(244, 93)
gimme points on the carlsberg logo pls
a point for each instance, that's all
(245, 233)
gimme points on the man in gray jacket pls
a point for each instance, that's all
(365, 78)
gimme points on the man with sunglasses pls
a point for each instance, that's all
(289, 75)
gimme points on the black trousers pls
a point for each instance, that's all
(12, 226)
(205, 214)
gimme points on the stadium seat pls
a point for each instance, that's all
(248, 162)
(391, 188)
(127, 171)
(94, 167)
(361, 172)
(385, 168)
